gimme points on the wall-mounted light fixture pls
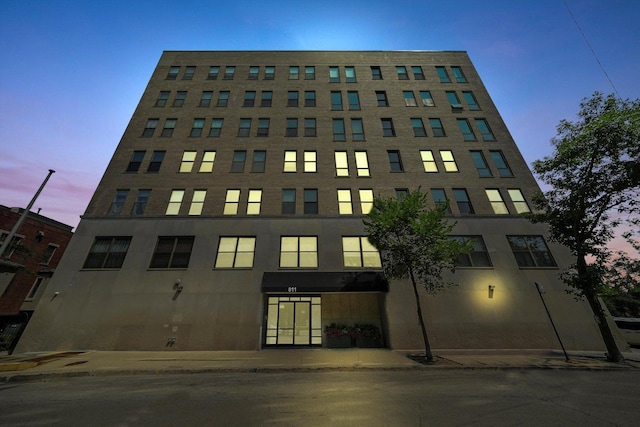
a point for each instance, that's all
(491, 289)
(177, 286)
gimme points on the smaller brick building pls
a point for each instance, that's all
(26, 267)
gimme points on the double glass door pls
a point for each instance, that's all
(294, 321)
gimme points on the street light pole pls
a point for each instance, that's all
(16, 227)
(540, 292)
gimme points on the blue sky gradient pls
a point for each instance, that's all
(73, 72)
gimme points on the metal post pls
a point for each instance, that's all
(16, 227)
(540, 292)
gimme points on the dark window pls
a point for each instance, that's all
(253, 72)
(387, 127)
(294, 72)
(309, 73)
(172, 252)
(310, 98)
(309, 127)
(454, 101)
(310, 201)
(238, 161)
(338, 130)
(531, 251)
(376, 73)
(150, 128)
(354, 100)
(402, 73)
(118, 202)
(501, 163)
(288, 201)
(223, 98)
(336, 100)
(465, 128)
(292, 98)
(169, 126)
(107, 252)
(205, 99)
(440, 198)
(395, 163)
(189, 71)
(350, 74)
(334, 75)
(259, 161)
(269, 72)
(418, 74)
(136, 160)
(470, 100)
(427, 100)
(485, 131)
(443, 75)
(479, 257)
(216, 127)
(462, 199)
(162, 98)
(196, 130)
(249, 98)
(436, 127)
(458, 74)
(263, 127)
(381, 96)
(181, 95)
(267, 97)
(47, 255)
(401, 193)
(481, 163)
(156, 161)
(229, 73)
(292, 127)
(357, 129)
(173, 73)
(141, 202)
(418, 127)
(213, 72)
(245, 127)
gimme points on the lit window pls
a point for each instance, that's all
(394, 161)
(188, 73)
(213, 73)
(338, 130)
(253, 202)
(267, 98)
(289, 201)
(336, 100)
(485, 131)
(299, 252)
(342, 165)
(141, 202)
(478, 257)
(362, 163)
(381, 96)
(470, 100)
(376, 73)
(294, 73)
(292, 127)
(156, 161)
(107, 252)
(309, 73)
(196, 130)
(169, 126)
(223, 98)
(409, 99)
(162, 99)
(440, 198)
(354, 100)
(292, 98)
(454, 101)
(350, 74)
(263, 127)
(428, 161)
(387, 127)
(448, 160)
(418, 74)
(188, 159)
(207, 161)
(402, 73)
(366, 200)
(173, 208)
(436, 127)
(518, 200)
(290, 161)
(357, 129)
(172, 252)
(259, 161)
(235, 252)
(244, 128)
(467, 132)
(197, 202)
(443, 75)
(459, 76)
(205, 98)
(118, 202)
(310, 158)
(179, 100)
(216, 127)
(229, 73)
(359, 252)
(309, 127)
(249, 98)
(310, 98)
(427, 100)
(237, 165)
(231, 202)
(310, 201)
(173, 73)
(481, 164)
(269, 72)
(531, 251)
(497, 204)
(334, 75)
(150, 128)
(344, 202)
(501, 163)
(418, 127)
(253, 72)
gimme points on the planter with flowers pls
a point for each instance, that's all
(366, 335)
(338, 335)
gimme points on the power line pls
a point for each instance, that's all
(591, 48)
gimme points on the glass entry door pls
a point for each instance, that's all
(294, 321)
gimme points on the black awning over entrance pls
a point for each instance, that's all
(315, 281)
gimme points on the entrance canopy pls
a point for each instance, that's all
(315, 281)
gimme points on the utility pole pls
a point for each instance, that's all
(540, 292)
(16, 227)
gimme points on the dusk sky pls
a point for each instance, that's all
(73, 72)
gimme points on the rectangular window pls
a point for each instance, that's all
(418, 74)
(169, 126)
(387, 127)
(197, 202)
(448, 160)
(443, 75)
(188, 160)
(395, 163)
(402, 73)
(34, 289)
(292, 98)
(141, 202)
(462, 199)
(418, 127)
(172, 252)
(229, 72)
(336, 100)
(309, 72)
(150, 128)
(244, 129)
(107, 252)
(237, 166)
(15, 241)
(310, 158)
(205, 98)
(428, 161)
(310, 201)
(342, 164)
(531, 251)
(267, 98)
(231, 202)
(156, 161)
(269, 72)
(223, 98)
(436, 127)
(362, 163)
(175, 201)
(350, 74)
(207, 161)
(253, 202)
(440, 198)
(338, 130)
(427, 100)
(376, 73)
(309, 127)
(196, 130)
(249, 98)
(334, 75)
(179, 100)
(501, 163)
(259, 161)
(189, 71)
(48, 254)
(214, 70)
(253, 72)
(497, 204)
(288, 201)
(163, 97)
(359, 252)
(299, 252)
(409, 98)
(310, 98)
(454, 101)
(216, 127)
(354, 100)
(485, 131)
(344, 202)
(290, 161)
(136, 161)
(235, 252)
(263, 127)
(294, 73)
(459, 76)
(381, 97)
(366, 200)
(292, 127)
(118, 202)
(465, 128)
(470, 100)
(518, 200)
(173, 73)
(357, 129)
(481, 164)
(479, 257)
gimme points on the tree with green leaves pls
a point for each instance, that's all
(594, 180)
(414, 242)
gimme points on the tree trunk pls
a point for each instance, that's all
(427, 347)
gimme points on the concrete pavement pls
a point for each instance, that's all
(35, 366)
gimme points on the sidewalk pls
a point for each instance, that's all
(36, 366)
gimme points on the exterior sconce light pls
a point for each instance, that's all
(177, 286)
(491, 289)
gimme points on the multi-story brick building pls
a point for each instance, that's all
(230, 214)
(26, 268)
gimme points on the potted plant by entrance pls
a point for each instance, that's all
(366, 335)
(337, 335)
